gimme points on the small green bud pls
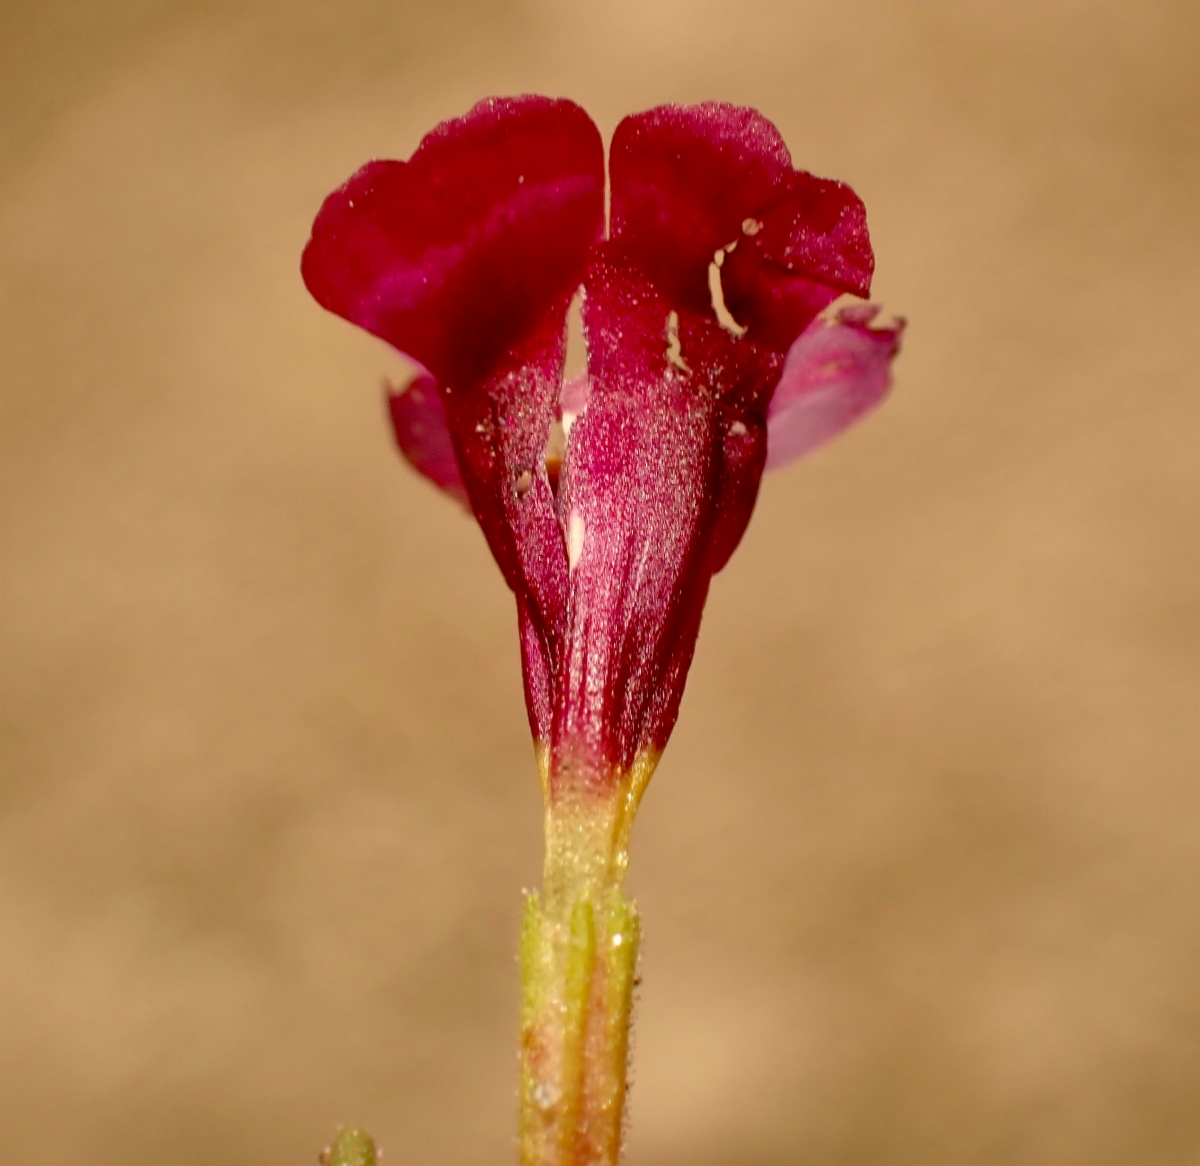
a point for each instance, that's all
(350, 1148)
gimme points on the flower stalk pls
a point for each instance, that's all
(577, 977)
(579, 949)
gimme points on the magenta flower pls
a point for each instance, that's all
(610, 501)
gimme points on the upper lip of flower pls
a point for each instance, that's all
(719, 258)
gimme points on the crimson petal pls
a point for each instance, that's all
(423, 435)
(457, 253)
(689, 181)
(466, 258)
(663, 464)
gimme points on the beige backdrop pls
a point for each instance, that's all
(919, 871)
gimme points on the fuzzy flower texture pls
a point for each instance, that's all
(611, 499)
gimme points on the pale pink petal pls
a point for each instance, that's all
(836, 372)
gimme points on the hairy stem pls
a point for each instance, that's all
(578, 981)
(579, 945)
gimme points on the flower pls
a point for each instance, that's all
(608, 501)
(707, 361)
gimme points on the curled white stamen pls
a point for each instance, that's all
(674, 351)
(717, 294)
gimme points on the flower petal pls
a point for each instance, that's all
(684, 178)
(835, 373)
(658, 481)
(456, 255)
(689, 182)
(661, 469)
(466, 258)
(419, 423)
(797, 257)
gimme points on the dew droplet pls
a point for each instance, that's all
(545, 1095)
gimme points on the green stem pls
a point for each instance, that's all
(578, 996)
(579, 946)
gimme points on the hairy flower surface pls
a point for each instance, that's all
(609, 501)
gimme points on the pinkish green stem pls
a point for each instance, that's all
(579, 945)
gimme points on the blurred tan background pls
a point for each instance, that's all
(919, 873)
